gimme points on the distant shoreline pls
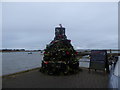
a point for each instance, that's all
(19, 51)
(81, 53)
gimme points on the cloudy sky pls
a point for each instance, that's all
(88, 25)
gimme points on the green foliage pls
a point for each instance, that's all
(61, 50)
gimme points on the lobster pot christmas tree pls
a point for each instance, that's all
(59, 55)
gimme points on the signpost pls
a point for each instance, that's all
(98, 60)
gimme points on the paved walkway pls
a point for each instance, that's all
(35, 79)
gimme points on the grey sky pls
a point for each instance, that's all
(88, 25)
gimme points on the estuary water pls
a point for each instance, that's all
(19, 61)
(13, 62)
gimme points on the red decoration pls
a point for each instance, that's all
(76, 53)
(46, 62)
(67, 52)
(45, 52)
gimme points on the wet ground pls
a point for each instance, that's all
(36, 79)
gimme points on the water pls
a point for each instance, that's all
(113, 51)
(18, 61)
(84, 62)
(13, 62)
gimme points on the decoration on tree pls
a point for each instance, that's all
(45, 52)
(46, 62)
(76, 53)
(67, 53)
(59, 55)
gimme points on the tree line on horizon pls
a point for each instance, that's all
(17, 50)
